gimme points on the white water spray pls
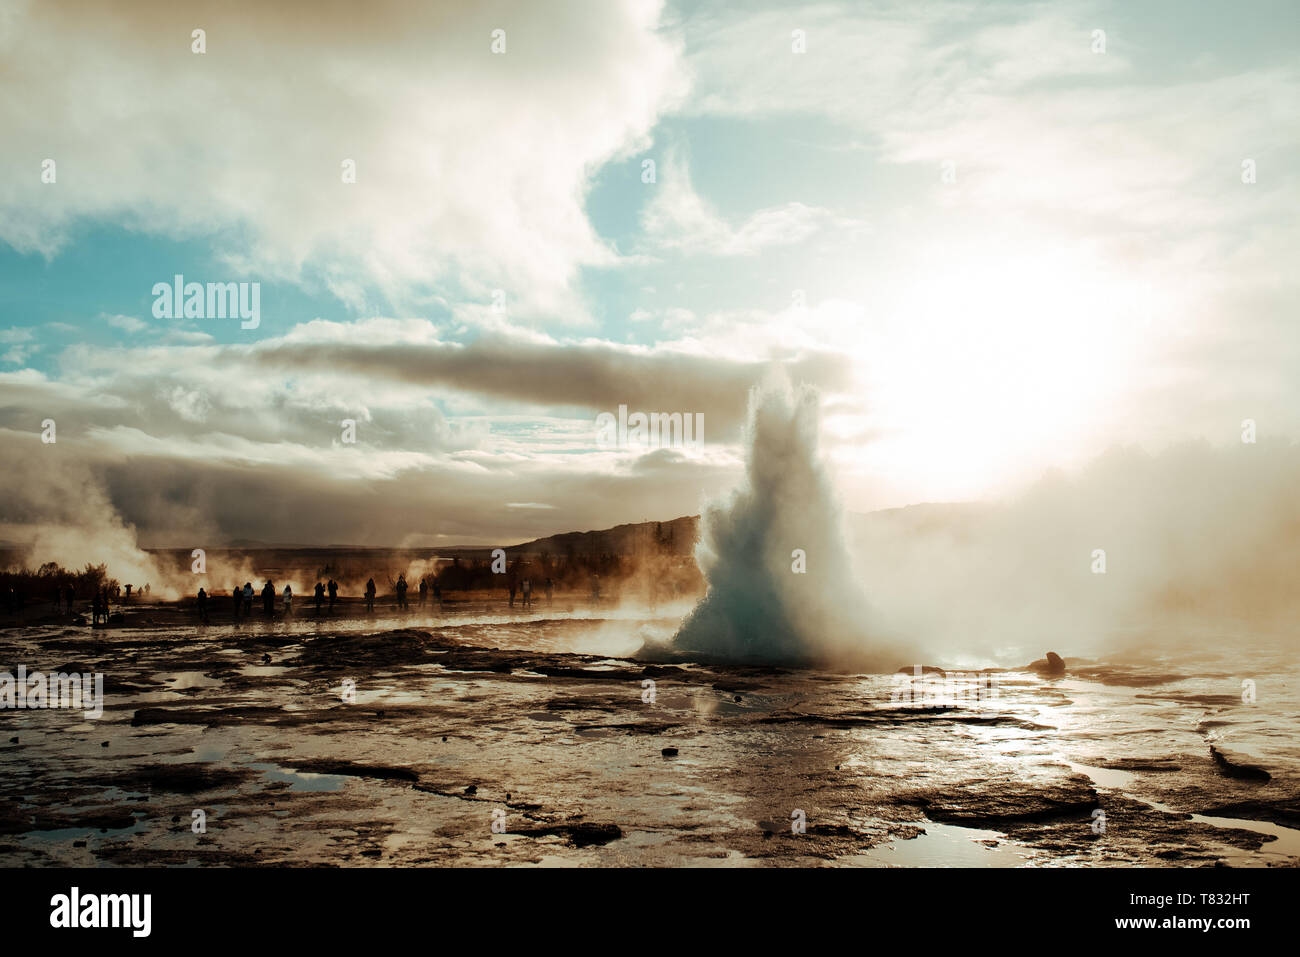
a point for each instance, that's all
(759, 606)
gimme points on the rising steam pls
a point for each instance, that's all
(55, 501)
(758, 607)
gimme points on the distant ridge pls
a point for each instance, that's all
(675, 537)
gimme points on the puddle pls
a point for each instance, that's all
(1105, 777)
(942, 845)
(184, 680)
(301, 780)
(1286, 847)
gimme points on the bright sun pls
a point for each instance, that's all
(990, 369)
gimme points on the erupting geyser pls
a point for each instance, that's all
(765, 603)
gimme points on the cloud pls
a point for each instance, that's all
(20, 343)
(591, 374)
(128, 324)
(468, 176)
(679, 219)
(495, 437)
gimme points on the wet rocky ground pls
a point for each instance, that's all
(488, 743)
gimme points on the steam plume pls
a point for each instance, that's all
(759, 607)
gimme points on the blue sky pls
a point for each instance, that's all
(996, 249)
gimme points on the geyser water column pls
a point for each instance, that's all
(759, 605)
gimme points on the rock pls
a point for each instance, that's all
(585, 835)
(1053, 666)
(103, 744)
(1235, 769)
(925, 670)
(1279, 810)
(998, 805)
(472, 789)
(580, 834)
(669, 752)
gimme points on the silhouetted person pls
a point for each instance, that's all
(203, 606)
(288, 601)
(248, 599)
(320, 597)
(70, 596)
(334, 594)
(550, 590)
(437, 593)
(128, 593)
(268, 599)
(424, 591)
(94, 607)
(370, 595)
(237, 594)
(512, 593)
(401, 591)
(146, 589)
(528, 592)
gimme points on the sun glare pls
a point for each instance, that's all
(1002, 363)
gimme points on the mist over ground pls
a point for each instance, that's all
(1197, 539)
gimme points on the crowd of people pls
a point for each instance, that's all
(108, 600)
(64, 601)
(325, 596)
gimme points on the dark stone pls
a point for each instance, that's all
(1053, 666)
(669, 752)
(1234, 769)
(585, 835)
(925, 670)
